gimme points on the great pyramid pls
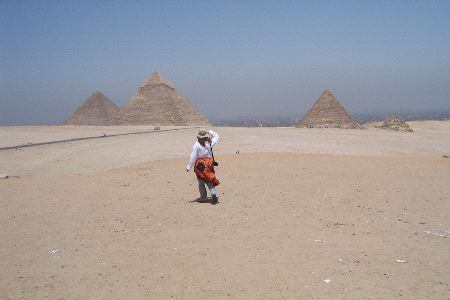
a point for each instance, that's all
(95, 110)
(157, 102)
(327, 112)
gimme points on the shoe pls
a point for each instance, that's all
(214, 200)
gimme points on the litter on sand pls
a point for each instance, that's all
(54, 252)
(401, 261)
(435, 233)
(327, 280)
(4, 176)
(322, 241)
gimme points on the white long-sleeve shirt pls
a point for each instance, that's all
(199, 151)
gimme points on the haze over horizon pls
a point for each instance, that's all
(230, 59)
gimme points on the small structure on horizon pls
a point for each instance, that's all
(95, 110)
(327, 112)
(158, 103)
(392, 122)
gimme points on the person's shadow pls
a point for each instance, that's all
(200, 200)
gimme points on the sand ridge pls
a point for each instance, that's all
(104, 154)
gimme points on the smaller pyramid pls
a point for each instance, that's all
(95, 110)
(327, 112)
(392, 122)
(158, 103)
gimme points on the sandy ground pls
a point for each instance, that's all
(116, 218)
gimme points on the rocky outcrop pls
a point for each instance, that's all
(95, 110)
(157, 102)
(327, 112)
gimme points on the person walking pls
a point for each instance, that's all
(202, 161)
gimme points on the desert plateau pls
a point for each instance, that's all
(303, 214)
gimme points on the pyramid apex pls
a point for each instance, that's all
(97, 93)
(156, 79)
(327, 91)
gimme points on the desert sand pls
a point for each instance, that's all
(302, 214)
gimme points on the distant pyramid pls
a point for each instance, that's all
(392, 122)
(95, 110)
(157, 102)
(327, 112)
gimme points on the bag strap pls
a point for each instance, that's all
(212, 154)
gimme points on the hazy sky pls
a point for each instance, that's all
(229, 58)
